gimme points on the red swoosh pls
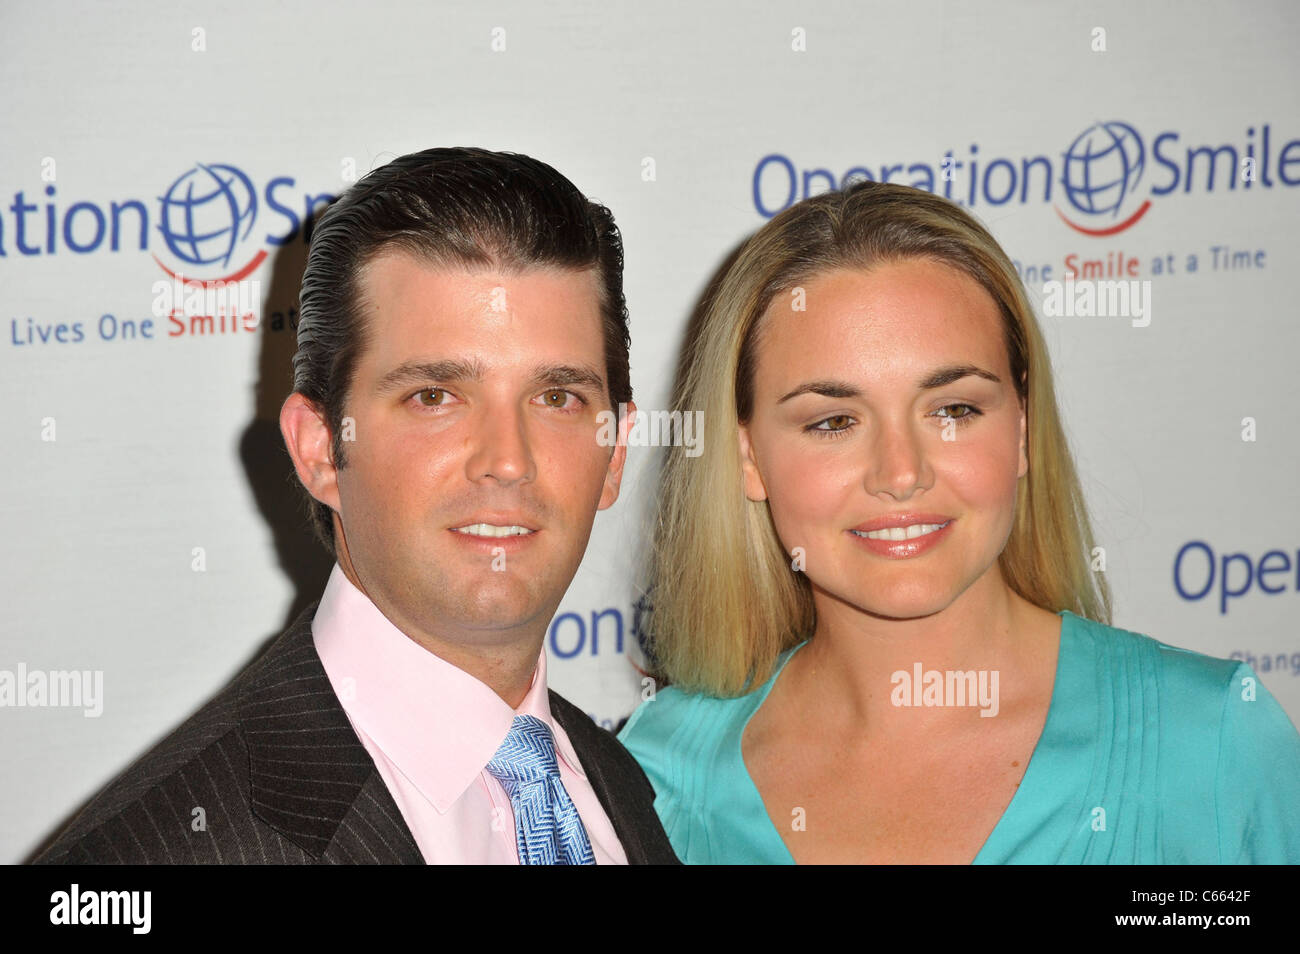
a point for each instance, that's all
(240, 275)
(1101, 233)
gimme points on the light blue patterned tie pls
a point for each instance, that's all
(548, 830)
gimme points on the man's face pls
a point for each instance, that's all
(469, 492)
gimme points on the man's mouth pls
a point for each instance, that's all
(492, 530)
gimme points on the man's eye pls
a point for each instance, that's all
(432, 397)
(559, 398)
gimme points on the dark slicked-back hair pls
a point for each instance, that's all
(451, 207)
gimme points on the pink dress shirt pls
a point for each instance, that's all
(431, 729)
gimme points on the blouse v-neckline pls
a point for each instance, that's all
(1035, 770)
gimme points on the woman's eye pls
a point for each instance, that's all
(969, 412)
(432, 397)
(833, 425)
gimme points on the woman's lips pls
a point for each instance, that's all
(918, 537)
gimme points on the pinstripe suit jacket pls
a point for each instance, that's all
(281, 778)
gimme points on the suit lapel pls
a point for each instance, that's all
(313, 781)
(577, 726)
(311, 778)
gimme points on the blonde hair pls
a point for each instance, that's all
(726, 602)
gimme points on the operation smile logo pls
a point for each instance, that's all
(206, 229)
(1108, 175)
(209, 229)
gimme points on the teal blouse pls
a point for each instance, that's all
(1150, 755)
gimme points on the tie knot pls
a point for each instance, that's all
(527, 754)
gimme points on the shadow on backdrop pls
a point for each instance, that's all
(269, 471)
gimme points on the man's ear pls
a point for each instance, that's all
(755, 489)
(307, 436)
(614, 474)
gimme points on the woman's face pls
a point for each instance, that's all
(887, 403)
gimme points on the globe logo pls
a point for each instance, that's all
(207, 212)
(1102, 167)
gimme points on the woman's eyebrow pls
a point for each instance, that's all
(938, 378)
(831, 389)
(944, 376)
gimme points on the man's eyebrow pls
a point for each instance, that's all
(450, 370)
(424, 372)
(938, 378)
(568, 375)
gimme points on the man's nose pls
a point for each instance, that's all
(500, 447)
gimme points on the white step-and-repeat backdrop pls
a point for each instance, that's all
(150, 538)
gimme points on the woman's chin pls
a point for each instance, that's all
(904, 609)
(918, 604)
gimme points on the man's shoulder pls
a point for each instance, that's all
(147, 812)
(187, 799)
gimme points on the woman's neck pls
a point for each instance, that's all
(860, 669)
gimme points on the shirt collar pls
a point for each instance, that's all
(437, 724)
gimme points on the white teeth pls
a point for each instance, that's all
(902, 533)
(489, 530)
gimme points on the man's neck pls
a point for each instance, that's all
(507, 670)
(506, 664)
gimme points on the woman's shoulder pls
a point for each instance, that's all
(684, 743)
(677, 734)
(1219, 739)
(676, 723)
(672, 718)
(1199, 699)
(689, 746)
(1125, 653)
